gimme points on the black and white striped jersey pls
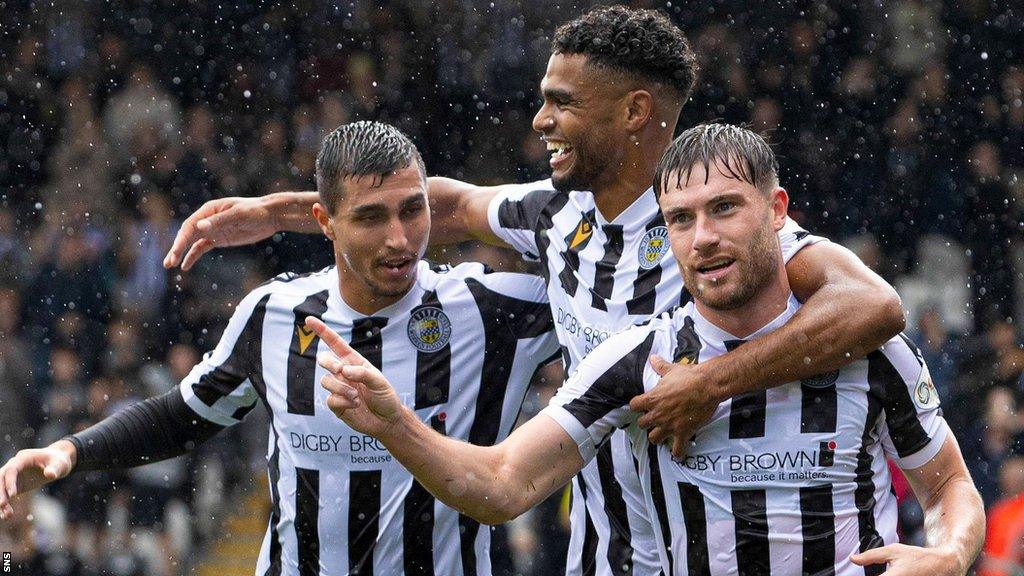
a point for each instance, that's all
(790, 480)
(460, 348)
(603, 277)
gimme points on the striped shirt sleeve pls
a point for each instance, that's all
(220, 387)
(515, 212)
(793, 238)
(594, 401)
(912, 429)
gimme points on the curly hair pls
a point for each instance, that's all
(633, 41)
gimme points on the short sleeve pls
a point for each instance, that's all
(594, 401)
(913, 429)
(793, 238)
(514, 214)
(220, 388)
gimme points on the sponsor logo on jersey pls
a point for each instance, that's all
(925, 395)
(306, 337)
(429, 329)
(583, 232)
(821, 380)
(653, 247)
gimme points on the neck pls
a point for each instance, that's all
(634, 174)
(358, 295)
(757, 312)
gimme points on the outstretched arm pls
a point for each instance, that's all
(848, 310)
(954, 520)
(458, 209)
(492, 484)
(155, 429)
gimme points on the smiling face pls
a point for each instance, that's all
(582, 121)
(379, 229)
(723, 235)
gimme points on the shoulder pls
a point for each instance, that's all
(479, 279)
(289, 286)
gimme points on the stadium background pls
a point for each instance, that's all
(899, 125)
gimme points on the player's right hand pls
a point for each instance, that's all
(359, 394)
(218, 224)
(30, 469)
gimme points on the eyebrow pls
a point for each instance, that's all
(558, 94)
(369, 209)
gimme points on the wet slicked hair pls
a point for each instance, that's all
(736, 151)
(361, 149)
(632, 41)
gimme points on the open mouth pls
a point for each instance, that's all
(560, 151)
(715, 269)
(397, 267)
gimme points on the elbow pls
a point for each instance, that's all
(891, 318)
(881, 311)
(496, 515)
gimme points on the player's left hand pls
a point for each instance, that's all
(906, 560)
(677, 407)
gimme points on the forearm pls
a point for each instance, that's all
(836, 325)
(458, 212)
(156, 429)
(955, 521)
(487, 483)
(293, 211)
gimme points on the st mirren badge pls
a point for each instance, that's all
(653, 247)
(429, 329)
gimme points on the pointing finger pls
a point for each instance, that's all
(335, 342)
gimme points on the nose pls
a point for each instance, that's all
(396, 239)
(543, 121)
(705, 235)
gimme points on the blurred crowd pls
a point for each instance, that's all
(899, 125)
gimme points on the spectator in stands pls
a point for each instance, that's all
(990, 440)
(1004, 541)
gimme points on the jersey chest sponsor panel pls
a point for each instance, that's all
(603, 277)
(342, 504)
(791, 482)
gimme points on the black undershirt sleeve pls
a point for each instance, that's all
(156, 429)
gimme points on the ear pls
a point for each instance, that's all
(780, 207)
(639, 109)
(323, 218)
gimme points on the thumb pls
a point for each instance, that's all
(659, 364)
(51, 472)
(367, 375)
(874, 556)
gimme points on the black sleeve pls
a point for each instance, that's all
(156, 429)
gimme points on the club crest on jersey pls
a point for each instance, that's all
(429, 329)
(653, 247)
(823, 380)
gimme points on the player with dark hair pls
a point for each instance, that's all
(460, 344)
(614, 87)
(790, 481)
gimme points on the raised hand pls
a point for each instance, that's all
(218, 224)
(30, 469)
(359, 393)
